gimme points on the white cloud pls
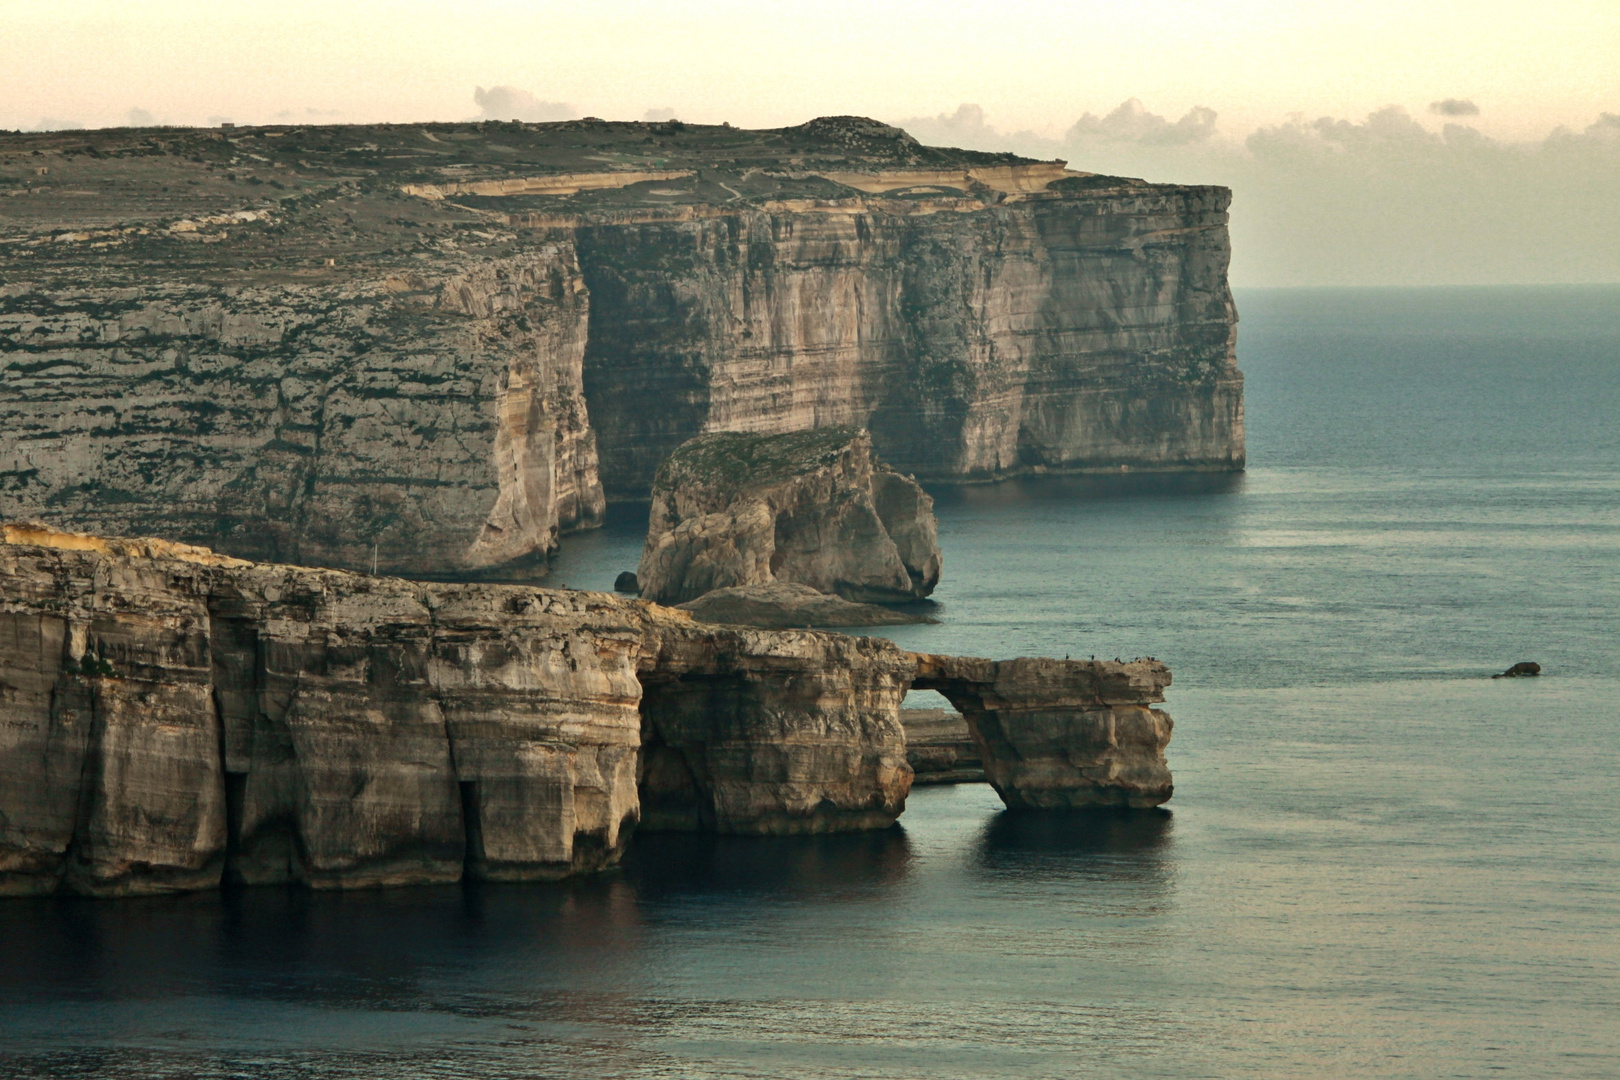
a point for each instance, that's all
(511, 103)
(1380, 200)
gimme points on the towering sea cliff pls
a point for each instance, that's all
(410, 346)
(1083, 326)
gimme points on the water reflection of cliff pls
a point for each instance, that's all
(1127, 847)
(668, 865)
(387, 946)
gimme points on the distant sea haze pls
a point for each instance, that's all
(1378, 862)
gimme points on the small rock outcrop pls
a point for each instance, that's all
(1057, 734)
(626, 582)
(785, 604)
(940, 748)
(732, 509)
(1522, 670)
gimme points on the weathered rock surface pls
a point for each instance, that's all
(940, 747)
(976, 334)
(772, 732)
(171, 718)
(425, 423)
(782, 605)
(1056, 734)
(350, 346)
(731, 509)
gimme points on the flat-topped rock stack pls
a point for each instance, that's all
(175, 718)
(734, 510)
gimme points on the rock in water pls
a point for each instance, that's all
(1523, 669)
(940, 748)
(170, 718)
(784, 604)
(734, 509)
(1057, 734)
(627, 582)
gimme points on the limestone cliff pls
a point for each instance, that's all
(429, 423)
(409, 343)
(1087, 326)
(171, 718)
(733, 509)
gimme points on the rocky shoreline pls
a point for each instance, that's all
(175, 718)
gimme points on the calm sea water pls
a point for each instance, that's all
(1378, 863)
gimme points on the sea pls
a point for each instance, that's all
(1379, 861)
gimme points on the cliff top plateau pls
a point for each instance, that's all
(284, 199)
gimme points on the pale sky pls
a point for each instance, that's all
(1528, 66)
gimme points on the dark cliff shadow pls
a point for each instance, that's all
(1088, 487)
(668, 864)
(1123, 846)
(374, 948)
(392, 948)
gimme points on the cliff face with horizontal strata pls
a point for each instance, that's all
(171, 718)
(1073, 329)
(431, 420)
(411, 344)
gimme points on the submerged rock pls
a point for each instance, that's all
(783, 604)
(940, 747)
(733, 509)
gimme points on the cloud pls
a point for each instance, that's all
(510, 103)
(312, 113)
(658, 116)
(1384, 199)
(51, 123)
(139, 118)
(969, 128)
(1454, 107)
(1390, 128)
(1132, 123)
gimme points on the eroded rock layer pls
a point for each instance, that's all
(772, 732)
(732, 510)
(171, 718)
(1086, 326)
(423, 423)
(1058, 734)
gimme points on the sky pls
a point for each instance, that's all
(1330, 107)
